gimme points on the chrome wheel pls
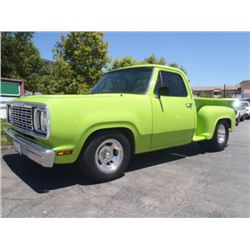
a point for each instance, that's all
(221, 134)
(109, 155)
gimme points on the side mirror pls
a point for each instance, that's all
(163, 91)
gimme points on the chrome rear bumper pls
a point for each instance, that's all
(33, 151)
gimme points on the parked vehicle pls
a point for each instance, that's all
(129, 111)
(246, 106)
(241, 112)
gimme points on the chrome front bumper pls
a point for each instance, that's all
(33, 151)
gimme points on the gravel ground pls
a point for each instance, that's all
(179, 182)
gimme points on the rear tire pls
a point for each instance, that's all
(106, 156)
(219, 140)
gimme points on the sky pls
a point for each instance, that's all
(210, 58)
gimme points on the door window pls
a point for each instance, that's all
(173, 81)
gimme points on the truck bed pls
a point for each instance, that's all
(200, 102)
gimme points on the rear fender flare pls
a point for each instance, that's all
(209, 116)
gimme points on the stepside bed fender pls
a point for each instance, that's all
(208, 116)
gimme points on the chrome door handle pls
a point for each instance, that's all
(189, 105)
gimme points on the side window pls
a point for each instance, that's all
(174, 83)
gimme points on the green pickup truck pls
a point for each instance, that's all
(129, 111)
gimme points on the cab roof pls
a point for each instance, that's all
(149, 65)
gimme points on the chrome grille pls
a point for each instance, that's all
(21, 117)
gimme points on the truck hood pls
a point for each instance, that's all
(53, 99)
(88, 103)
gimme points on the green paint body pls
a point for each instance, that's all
(154, 122)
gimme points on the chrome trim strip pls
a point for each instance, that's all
(29, 132)
(33, 151)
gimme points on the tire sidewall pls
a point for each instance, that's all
(88, 163)
(221, 146)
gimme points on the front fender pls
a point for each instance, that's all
(111, 125)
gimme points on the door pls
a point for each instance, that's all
(174, 114)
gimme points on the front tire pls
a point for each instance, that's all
(105, 156)
(219, 139)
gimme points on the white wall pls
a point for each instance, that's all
(3, 101)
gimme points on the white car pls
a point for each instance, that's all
(240, 113)
(246, 106)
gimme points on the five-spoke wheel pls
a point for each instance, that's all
(106, 156)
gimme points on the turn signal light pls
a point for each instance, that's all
(66, 152)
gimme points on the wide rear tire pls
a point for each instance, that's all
(219, 140)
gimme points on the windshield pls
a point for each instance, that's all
(241, 107)
(133, 81)
(244, 104)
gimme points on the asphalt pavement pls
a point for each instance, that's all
(179, 182)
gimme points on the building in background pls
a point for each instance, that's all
(217, 91)
(241, 90)
(10, 89)
(245, 90)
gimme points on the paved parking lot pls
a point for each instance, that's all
(180, 182)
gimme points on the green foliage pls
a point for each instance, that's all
(20, 58)
(80, 58)
(206, 94)
(3, 125)
(130, 61)
(152, 59)
(123, 62)
(4, 141)
(175, 65)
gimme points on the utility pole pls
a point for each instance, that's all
(224, 95)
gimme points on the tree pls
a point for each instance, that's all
(123, 62)
(80, 58)
(130, 61)
(46, 80)
(175, 65)
(152, 59)
(20, 58)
